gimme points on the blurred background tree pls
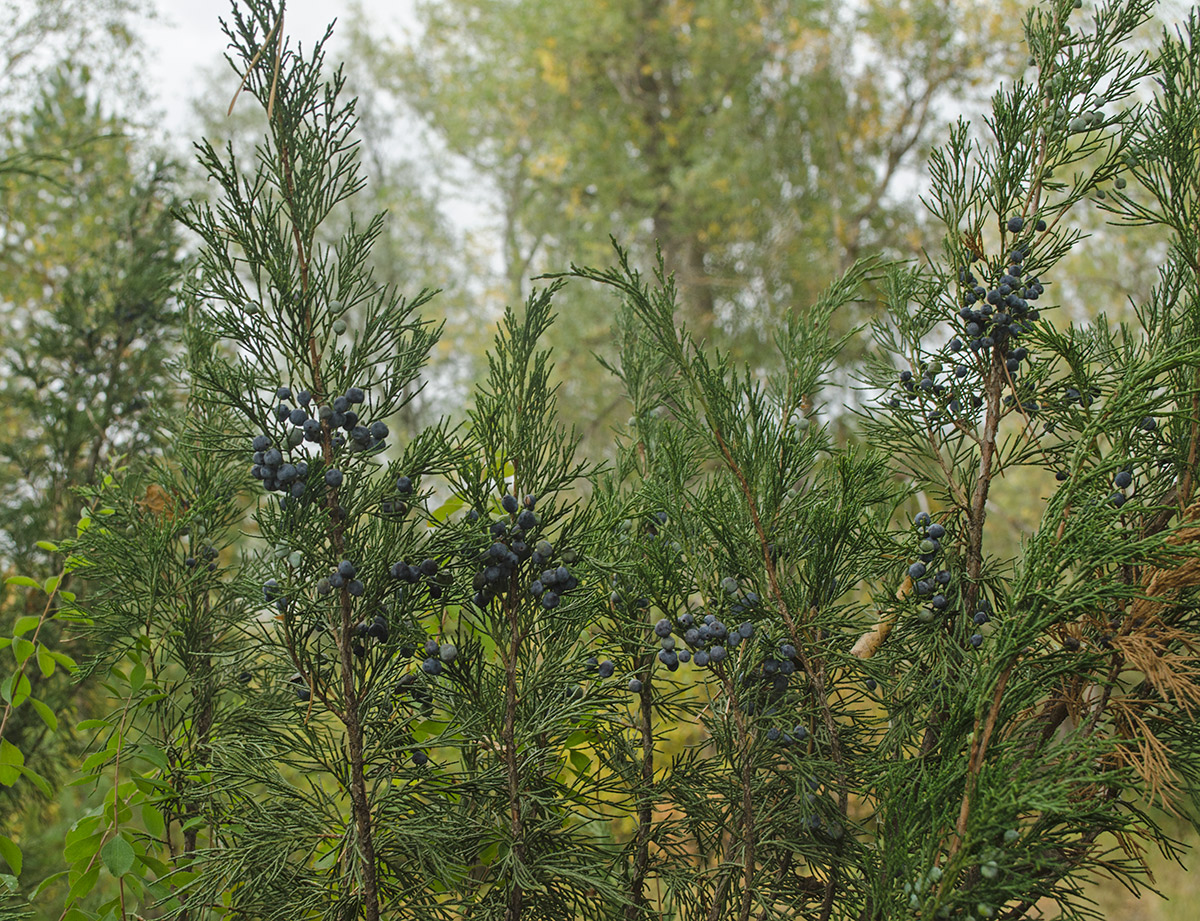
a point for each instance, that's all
(89, 257)
(36, 36)
(764, 146)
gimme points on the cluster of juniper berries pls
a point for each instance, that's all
(931, 584)
(279, 473)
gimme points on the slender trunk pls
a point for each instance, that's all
(358, 786)
(360, 805)
(641, 860)
(509, 741)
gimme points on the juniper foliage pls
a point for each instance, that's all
(729, 675)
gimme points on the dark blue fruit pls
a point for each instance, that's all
(1122, 479)
(606, 669)
(404, 485)
(509, 503)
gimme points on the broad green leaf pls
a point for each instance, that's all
(22, 649)
(47, 883)
(45, 713)
(91, 724)
(137, 676)
(15, 688)
(154, 865)
(117, 856)
(10, 754)
(153, 820)
(83, 827)
(94, 760)
(448, 508)
(25, 624)
(326, 860)
(11, 854)
(83, 885)
(83, 848)
(47, 545)
(23, 690)
(154, 755)
(580, 762)
(51, 584)
(23, 581)
(38, 780)
(45, 661)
